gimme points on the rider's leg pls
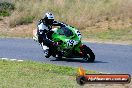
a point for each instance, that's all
(47, 42)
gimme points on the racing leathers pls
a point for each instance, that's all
(44, 37)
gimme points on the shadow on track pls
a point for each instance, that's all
(77, 60)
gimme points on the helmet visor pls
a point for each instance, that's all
(49, 21)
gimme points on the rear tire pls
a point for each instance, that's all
(88, 54)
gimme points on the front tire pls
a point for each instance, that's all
(88, 54)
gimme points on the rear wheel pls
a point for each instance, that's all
(88, 54)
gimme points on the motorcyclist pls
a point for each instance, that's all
(43, 27)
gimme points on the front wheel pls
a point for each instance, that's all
(88, 54)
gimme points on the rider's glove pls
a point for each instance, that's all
(55, 44)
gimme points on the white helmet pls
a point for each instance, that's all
(48, 18)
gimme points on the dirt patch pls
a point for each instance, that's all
(113, 24)
(18, 31)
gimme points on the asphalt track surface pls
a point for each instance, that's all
(110, 58)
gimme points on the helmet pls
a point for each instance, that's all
(48, 18)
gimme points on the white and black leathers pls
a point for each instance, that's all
(43, 30)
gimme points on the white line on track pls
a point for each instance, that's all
(20, 60)
(11, 59)
(4, 58)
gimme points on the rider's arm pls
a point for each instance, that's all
(56, 23)
(42, 37)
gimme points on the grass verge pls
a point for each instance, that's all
(111, 35)
(36, 75)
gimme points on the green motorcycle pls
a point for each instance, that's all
(69, 43)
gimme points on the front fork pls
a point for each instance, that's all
(80, 50)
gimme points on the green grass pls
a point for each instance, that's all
(36, 75)
(112, 34)
(6, 8)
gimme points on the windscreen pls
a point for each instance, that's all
(65, 31)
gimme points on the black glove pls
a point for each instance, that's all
(54, 46)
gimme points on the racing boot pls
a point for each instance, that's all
(48, 54)
(59, 55)
(52, 50)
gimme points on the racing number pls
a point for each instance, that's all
(78, 33)
(70, 43)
